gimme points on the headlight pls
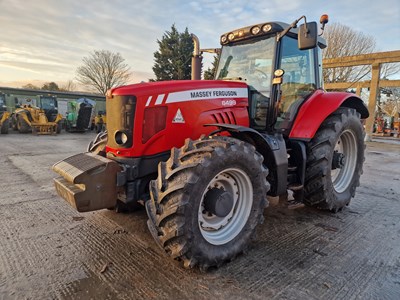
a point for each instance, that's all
(255, 30)
(121, 138)
(266, 27)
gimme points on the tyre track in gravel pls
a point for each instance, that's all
(356, 261)
(91, 244)
(49, 251)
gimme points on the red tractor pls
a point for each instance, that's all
(202, 156)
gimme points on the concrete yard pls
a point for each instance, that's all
(50, 251)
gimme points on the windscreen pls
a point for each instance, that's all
(48, 103)
(250, 61)
(2, 103)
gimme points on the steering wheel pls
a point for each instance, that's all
(262, 72)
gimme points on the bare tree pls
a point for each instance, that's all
(30, 86)
(345, 41)
(389, 69)
(69, 86)
(103, 70)
(391, 107)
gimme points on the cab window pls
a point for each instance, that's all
(299, 80)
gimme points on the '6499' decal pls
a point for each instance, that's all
(228, 102)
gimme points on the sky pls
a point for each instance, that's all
(45, 40)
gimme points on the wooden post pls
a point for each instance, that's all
(373, 93)
(358, 89)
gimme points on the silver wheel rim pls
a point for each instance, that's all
(221, 230)
(342, 177)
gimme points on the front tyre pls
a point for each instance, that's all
(22, 125)
(208, 198)
(335, 158)
(5, 126)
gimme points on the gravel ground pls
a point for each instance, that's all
(49, 251)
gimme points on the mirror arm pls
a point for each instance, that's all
(293, 25)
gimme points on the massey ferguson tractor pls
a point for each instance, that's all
(203, 155)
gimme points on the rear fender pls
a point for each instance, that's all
(318, 107)
(271, 147)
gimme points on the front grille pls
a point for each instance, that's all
(120, 119)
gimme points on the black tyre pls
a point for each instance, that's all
(5, 126)
(335, 158)
(208, 198)
(99, 127)
(98, 145)
(22, 125)
(14, 123)
(59, 127)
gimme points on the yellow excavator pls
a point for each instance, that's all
(44, 119)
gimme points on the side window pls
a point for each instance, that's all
(299, 80)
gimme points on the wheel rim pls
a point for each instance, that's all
(220, 230)
(346, 149)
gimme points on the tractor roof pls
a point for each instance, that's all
(258, 30)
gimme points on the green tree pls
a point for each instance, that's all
(102, 70)
(174, 58)
(50, 86)
(210, 72)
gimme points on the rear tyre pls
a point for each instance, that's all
(22, 125)
(59, 127)
(335, 158)
(5, 126)
(208, 198)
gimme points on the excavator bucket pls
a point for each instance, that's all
(88, 182)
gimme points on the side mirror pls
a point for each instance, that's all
(307, 36)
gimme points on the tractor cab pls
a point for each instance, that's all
(280, 74)
(48, 104)
(3, 106)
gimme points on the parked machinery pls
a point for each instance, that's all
(79, 115)
(203, 155)
(4, 116)
(100, 121)
(41, 119)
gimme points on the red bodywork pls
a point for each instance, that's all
(199, 102)
(317, 108)
(180, 109)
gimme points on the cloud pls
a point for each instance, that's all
(48, 39)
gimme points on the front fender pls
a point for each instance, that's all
(4, 117)
(24, 115)
(318, 107)
(58, 118)
(271, 147)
